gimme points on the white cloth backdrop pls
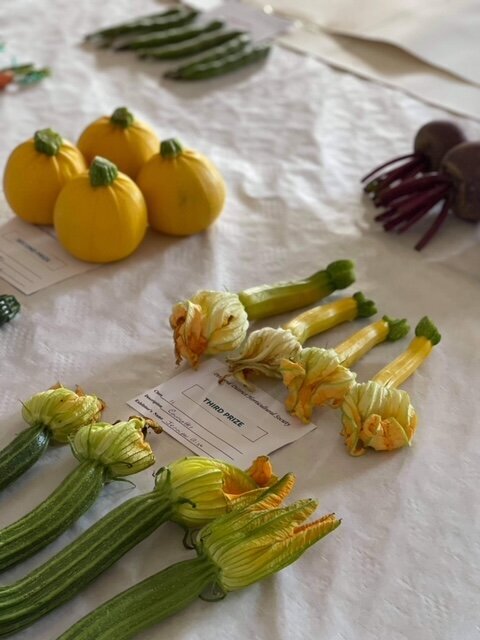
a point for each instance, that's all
(292, 140)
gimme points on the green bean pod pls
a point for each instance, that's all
(193, 46)
(171, 36)
(149, 24)
(221, 65)
(22, 453)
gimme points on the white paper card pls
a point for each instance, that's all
(258, 24)
(31, 258)
(225, 421)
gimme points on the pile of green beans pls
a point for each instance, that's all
(170, 35)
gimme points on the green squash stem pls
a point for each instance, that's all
(122, 117)
(47, 141)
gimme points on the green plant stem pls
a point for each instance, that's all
(22, 453)
(265, 301)
(147, 603)
(53, 516)
(70, 570)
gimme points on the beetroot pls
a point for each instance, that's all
(431, 143)
(456, 185)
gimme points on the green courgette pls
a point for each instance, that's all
(234, 551)
(53, 416)
(191, 492)
(212, 67)
(170, 36)
(190, 47)
(106, 452)
(9, 307)
(148, 24)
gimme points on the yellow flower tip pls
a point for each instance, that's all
(315, 378)
(120, 447)
(211, 322)
(265, 540)
(144, 424)
(261, 471)
(276, 493)
(378, 417)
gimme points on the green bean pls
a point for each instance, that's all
(170, 36)
(147, 24)
(211, 68)
(193, 46)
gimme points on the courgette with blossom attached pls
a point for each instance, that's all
(191, 492)
(106, 452)
(213, 322)
(233, 551)
(376, 414)
(53, 415)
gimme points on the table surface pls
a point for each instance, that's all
(292, 139)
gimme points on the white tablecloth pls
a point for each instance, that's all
(292, 140)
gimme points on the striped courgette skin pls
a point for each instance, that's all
(145, 604)
(54, 515)
(66, 573)
(22, 453)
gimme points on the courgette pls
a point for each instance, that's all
(9, 307)
(106, 452)
(170, 36)
(190, 47)
(191, 492)
(53, 415)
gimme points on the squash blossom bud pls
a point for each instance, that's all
(316, 377)
(62, 411)
(120, 447)
(201, 489)
(211, 322)
(251, 544)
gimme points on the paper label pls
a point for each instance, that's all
(258, 24)
(31, 258)
(223, 420)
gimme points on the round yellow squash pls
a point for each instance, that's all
(184, 191)
(36, 172)
(120, 138)
(101, 215)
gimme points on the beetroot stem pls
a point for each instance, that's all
(416, 208)
(387, 164)
(439, 220)
(408, 187)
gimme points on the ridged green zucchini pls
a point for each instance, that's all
(9, 305)
(149, 24)
(105, 452)
(170, 36)
(191, 491)
(190, 47)
(221, 65)
(22, 453)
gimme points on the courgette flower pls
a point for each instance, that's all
(233, 552)
(213, 322)
(120, 447)
(210, 323)
(62, 411)
(317, 377)
(264, 349)
(377, 415)
(204, 488)
(251, 544)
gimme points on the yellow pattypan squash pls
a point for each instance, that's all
(100, 216)
(36, 172)
(184, 191)
(120, 138)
